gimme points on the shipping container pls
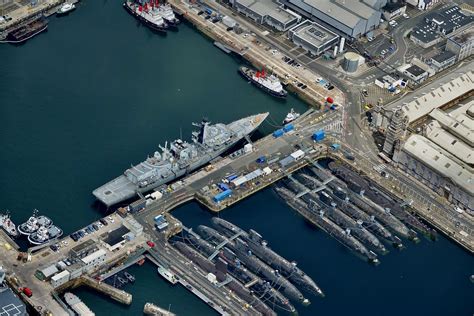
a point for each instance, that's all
(248, 148)
(288, 127)
(297, 155)
(223, 186)
(232, 177)
(156, 195)
(159, 218)
(278, 133)
(162, 226)
(319, 135)
(222, 196)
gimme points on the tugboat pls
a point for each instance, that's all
(33, 223)
(27, 31)
(29, 227)
(147, 15)
(290, 117)
(44, 234)
(270, 84)
(65, 9)
(168, 275)
(7, 224)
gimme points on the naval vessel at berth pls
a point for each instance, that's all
(179, 159)
(268, 83)
(260, 248)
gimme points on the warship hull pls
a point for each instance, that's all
(122, 188)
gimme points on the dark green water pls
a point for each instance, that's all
(97, 92)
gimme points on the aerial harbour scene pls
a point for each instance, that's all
(233, 157)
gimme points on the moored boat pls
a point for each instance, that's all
(66, 8)
(129, 277)
(268, 83)
(34, 223)
(168, 275)
(44, 234)
(7, 224)
(148, 16)
(291, 116)
(27, 31)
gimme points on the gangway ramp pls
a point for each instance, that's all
(318, 189)
(222, 244)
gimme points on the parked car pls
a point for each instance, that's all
(104, 221)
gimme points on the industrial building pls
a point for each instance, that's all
(135, 227)
(60, 278)
(115, 239)
(443, 157)
(271, 13)
(351, 19)
(94, 260)
(83, 249)
(425, 35)
(416, 74)
(443, 60)
(46, 273)
(449, 89)
(393, 10)
(461, 44)
(440, 23)
(422, 4)
(313, 37)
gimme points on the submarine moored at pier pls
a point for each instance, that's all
(259, 247)
(341, 197)
(241, 249)
(261, 288)
(374, 193)
(209, 267)
(325, 200)
(326, 224)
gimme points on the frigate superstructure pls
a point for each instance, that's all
(178, 159)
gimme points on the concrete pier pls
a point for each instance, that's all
(152, 309)
(254, 49)
(106, 289)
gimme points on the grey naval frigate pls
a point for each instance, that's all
(178, 159)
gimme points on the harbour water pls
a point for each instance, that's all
(97, 92)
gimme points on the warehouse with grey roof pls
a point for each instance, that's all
(351, 19)
(271, 13)
(443, 157)
(313, 37)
